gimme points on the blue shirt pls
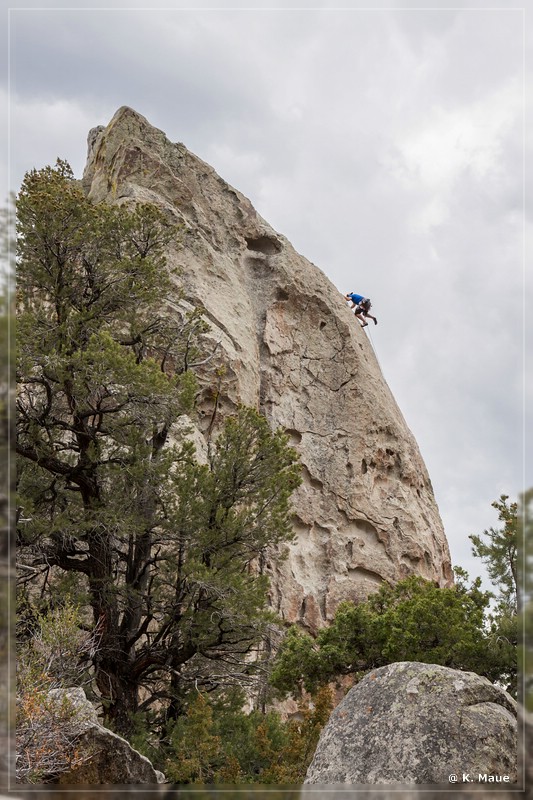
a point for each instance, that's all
(357, 298)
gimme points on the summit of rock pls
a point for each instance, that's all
(365, 512)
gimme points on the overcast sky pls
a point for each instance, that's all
(388, 144)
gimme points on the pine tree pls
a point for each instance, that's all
(497, 548)
(198, 750)
(7, 250)
(525, 519)
(217, 742)
(290, 763)
(110, 489)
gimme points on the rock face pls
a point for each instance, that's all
(418, 723)
(365, 512)
(110, 759)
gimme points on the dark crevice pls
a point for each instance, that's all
(264, 244)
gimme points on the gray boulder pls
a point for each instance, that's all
(413, 723)
(106, 757)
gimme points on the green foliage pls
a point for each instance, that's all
(289, 764)
(195, 764)
(224, 514)
(414, 620)
(498, 549)
(525, 538)
(7, 255)
(7, 340)
(55, 653)
(7, 473)
(217, 742)
(165, 550)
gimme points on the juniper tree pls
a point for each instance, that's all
(414, 620)
(110, 488)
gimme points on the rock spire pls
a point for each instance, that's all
(365, 512)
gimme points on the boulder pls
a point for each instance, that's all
(413, 723)
(365, 512)
(106, 757)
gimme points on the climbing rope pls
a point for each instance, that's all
(373, 345)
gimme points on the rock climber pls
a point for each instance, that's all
(362, 307)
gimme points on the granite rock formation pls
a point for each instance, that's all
(105, 757)
(365, 512)
(412, 723)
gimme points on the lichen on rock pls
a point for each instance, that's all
(413, 723)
